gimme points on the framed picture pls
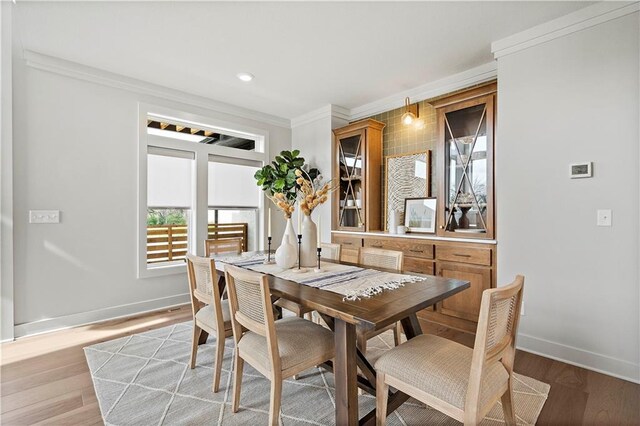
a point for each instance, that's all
(420, 214)
(406, 176)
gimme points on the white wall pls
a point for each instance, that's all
(570, 100)
(75, 150)
(313, 137)
(6, 173)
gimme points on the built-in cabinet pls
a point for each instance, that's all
(357, 153)
(463, 246)
(464, 171)
(473, 262)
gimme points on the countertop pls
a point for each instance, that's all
(415, 236)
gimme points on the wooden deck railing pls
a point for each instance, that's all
(169, 242)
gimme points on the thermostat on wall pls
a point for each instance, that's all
(581, 170)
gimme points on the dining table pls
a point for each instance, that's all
(365, 314)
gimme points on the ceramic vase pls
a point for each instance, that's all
(287, 253)
(308, 249)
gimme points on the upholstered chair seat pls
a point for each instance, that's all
(299, 341)
(441, 368)
(207, 315)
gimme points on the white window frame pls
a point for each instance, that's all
(202, 152)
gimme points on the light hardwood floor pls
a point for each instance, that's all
(45, 379)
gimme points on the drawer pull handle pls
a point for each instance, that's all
(376, 246)
(461, 255)
(347, 244)
(416, 251)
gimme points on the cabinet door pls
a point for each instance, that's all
(351, 172)
(466, 304)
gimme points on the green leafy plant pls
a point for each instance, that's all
(279, 177)
(166, 217)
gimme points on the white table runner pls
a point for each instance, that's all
(352, 282)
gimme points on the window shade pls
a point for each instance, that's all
(169, 181)
(232, 185)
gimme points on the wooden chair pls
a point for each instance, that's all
(379, 258)
(460, 382)
(225, 245)
(277, 349)
(330, 251)
(210, 313)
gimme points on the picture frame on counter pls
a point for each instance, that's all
(420, 214)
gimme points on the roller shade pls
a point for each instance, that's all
(169, 179)
(233, 185)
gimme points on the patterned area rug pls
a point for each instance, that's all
(145, 379)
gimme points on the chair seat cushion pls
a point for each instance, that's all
(206, 316)
(299, 341)
(441, 368)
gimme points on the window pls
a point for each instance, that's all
(196, 182)
(169, 200)
(234, 200)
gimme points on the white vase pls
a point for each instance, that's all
(287, 253)
(308, 249)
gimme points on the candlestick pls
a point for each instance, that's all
(268, 261)
(269, 226)
(319, 241)
(299, 220)
(299, 247)
(318, 269)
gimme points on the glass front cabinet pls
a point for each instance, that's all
(357, 153)
(465, 164)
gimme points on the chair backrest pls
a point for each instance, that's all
(203, 284)
(224, 245)
(495, 335)
(251, 308)
(380, 258)
(330, 251)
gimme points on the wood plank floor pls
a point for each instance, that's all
(45, 379)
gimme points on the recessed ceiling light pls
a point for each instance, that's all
(245, 76)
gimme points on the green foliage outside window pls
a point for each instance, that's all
(166, 217)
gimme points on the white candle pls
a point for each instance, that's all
(318, 236)
(299, 221)
(269, 224)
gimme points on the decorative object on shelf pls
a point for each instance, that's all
(410, 112)
(420, 214)
(393, 221)
(406, 176)
(313, 193)
(402, 230)
(286, 253)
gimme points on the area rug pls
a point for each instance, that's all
(145, 379)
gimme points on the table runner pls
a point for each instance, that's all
(352, 282)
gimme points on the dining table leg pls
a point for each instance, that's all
(345, 373)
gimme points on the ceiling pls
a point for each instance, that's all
(304, 55)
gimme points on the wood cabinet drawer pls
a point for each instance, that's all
(408, 247)
(475, 256)
(347, 242)
(416, 264)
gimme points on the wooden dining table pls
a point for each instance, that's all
(365, 314)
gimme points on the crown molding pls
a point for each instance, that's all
(106, 78)
(477, 75)
(326, 111)
(576, 21)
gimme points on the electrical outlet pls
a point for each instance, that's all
(44, 216)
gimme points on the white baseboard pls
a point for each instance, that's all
(580, 358)
(82, 318)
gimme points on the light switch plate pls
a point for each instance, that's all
(604, 218)
(44, 216)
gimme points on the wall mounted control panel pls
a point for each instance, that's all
(44, 216)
